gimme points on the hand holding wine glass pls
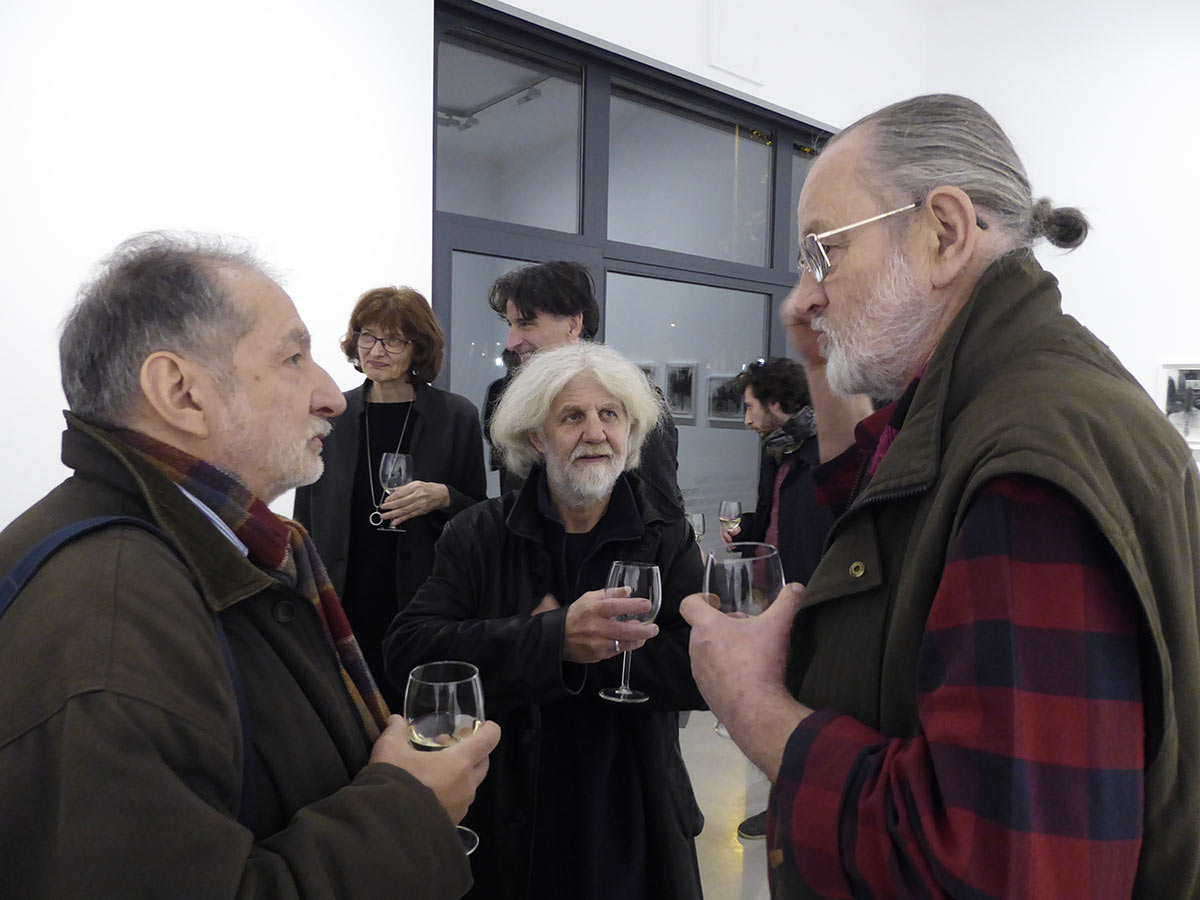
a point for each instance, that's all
(395, 470)
(643, 580)
(443, 704)
(745, 577)
(730, 515)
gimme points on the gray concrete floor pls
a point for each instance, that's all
(728, 789)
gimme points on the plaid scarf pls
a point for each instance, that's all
(787, 438)
(283, 549)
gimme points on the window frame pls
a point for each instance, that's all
(600, 69)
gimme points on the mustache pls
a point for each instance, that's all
(322, 429)
(604, 449)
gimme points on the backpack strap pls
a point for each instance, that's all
(28, 565)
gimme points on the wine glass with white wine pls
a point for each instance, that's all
(443, 704)
(643, 580)
(395, 470)
(730, 514)
(745, 577)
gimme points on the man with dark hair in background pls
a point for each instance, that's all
(788, 514)
(186, 712)
(551, 305)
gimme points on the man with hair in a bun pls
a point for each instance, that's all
(990, 686)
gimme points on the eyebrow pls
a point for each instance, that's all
(298, 335)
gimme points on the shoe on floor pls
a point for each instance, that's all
(754, 828)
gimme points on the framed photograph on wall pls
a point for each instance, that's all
(724, 402)
(651, 371)
(681, 392)
(1179, 398)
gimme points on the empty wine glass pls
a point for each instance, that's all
(395, 470)
(643, 580)
(745, 577)
(730, 514)
(697, 522)
(443, 704)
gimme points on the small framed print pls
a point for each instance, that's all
(650, 370)
(1179, 398)
(681, 392)
(724, 402)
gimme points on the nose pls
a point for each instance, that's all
(747, 421)
(326, 400)
(593, 431)
(806, 299)
(514, 339)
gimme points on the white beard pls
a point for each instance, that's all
(576, 485)
(884, 335)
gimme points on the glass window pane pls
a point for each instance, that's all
(477, 334)
(508, 135)
(691, 338)
(803, 157)
(681, 180)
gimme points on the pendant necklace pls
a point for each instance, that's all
(376, 517)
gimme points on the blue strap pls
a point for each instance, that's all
(28, 565)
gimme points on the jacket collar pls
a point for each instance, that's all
(1012, 304)
(224, 576)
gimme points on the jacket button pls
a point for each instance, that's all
(857, 569)
(284, 611)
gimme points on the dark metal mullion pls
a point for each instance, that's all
(597, 88)
(685, 262)
(781, 234)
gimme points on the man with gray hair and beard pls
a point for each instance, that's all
(186, 712)
(990, 686)
(586, 798)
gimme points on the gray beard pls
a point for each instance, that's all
(575, 487)
(886, 335)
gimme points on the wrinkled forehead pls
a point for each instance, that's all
(585, 391)
(836, 191)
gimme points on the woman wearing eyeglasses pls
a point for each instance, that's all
(378, 547)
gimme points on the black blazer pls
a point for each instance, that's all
(447, 448)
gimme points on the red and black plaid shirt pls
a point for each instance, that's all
(1026, 778)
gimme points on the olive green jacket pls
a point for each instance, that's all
(1016, 387)
(120, 745)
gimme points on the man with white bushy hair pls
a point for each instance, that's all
(586, 798)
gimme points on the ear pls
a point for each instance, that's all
(535, 438)
(177, 393)
(777, 410)
(953, 237)
(574, 325)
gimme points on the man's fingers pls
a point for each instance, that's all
(787, 602)
(482, 742)
(609, 607)
(699, 608)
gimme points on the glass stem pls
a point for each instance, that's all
(625, 661)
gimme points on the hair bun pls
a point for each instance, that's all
(1062, 226)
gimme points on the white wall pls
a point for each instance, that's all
(306, 127)
(303, 126)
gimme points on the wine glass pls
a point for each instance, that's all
(643, 580)
(697, 522)
(395, 470)
(745, 577)
(443, 704)
(730, 514)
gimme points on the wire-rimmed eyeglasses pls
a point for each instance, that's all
(812, 256)
(366, 341)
